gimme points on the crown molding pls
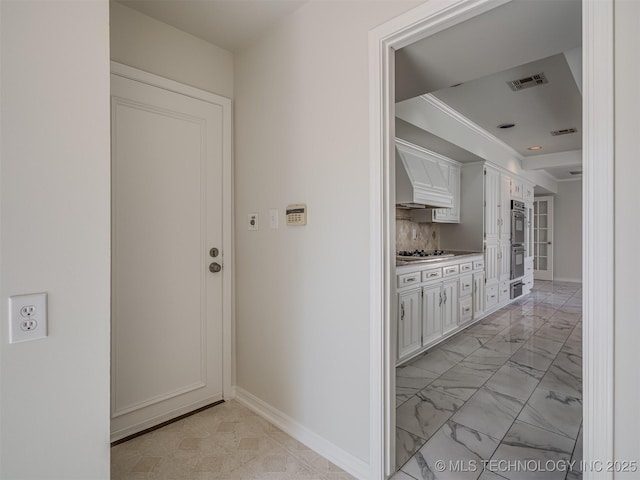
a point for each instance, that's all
(464, 121)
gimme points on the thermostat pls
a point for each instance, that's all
(297, 215)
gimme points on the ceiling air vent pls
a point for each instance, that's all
(565, 131)
(528, 82)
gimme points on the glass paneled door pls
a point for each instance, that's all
(543, 238)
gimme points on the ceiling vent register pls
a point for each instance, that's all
(528, 82)
(565, 131)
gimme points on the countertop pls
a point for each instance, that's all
(429, 260)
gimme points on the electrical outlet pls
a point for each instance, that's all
(27, 317)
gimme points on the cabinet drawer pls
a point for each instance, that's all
(408, 279)
(466, 285)
(505, 293)
(478, 265)
(466, 310)
(492, 295)
(452, 270)
(431, 274)
(466, 267)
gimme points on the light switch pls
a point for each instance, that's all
(273, 218)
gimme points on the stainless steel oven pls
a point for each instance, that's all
(517, 261)
(517, 222)
(516, 289)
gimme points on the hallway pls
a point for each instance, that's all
(227, 441)
(507, 389)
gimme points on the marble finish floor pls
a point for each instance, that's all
(507, 389)
(227, 442)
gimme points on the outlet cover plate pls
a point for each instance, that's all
(27, 317)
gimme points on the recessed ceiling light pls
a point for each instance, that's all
(535, 147)
(506, 125)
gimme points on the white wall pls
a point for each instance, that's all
(54, 237)
(142, 42)
(567, 232)
(627, 232)
(302, 133)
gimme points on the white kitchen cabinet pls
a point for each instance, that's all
(492, 297)
(439, 310)
(528, 193)
(438, 305)
(492, 205)
(449, 306)
(431, 313)
(466, 310)
(492, 266)
(505, 208)
(504, 258)
(409, 322)
(478, 294)
(517, 189)
(527, 284)
(504, 292)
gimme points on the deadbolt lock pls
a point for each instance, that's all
(214, 252)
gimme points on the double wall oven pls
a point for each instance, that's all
(517, 239)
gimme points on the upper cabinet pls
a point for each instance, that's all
(517, 189)
(420, 177)
(527, 196)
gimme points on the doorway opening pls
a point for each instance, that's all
(419, 24)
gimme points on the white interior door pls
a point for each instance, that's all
(543, 238)
(167, 213)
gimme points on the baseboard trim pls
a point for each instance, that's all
(572, 280)
(330, 451)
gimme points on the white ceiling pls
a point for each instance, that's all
(513, 41)
(536, 111)
(230, 24)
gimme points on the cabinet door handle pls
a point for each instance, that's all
(440, 299)
(475, 287)
(445, 297)
(402, 311)
(412, 279)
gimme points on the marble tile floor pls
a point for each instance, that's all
(507, 389)
(227, 442)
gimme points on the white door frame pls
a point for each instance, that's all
(428, 19)
(550, 240)
(228, 253)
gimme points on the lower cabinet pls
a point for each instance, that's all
(431, 313)
(438, 307)
(492, 295)
(478, 294)
(505, 292)
(449, 306)
(409, 322)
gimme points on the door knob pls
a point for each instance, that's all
(548, 243)
(215, 267)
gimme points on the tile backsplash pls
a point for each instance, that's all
(427, 234)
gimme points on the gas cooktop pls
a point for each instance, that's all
(421, 254)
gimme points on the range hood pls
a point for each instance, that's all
(420, 180)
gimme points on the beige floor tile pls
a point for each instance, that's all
(225, 442)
